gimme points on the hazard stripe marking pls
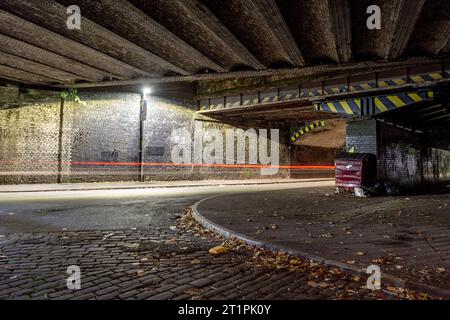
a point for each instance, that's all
(349, 106)
(346, 107)
(396, 101)
(306, 129)
(332, 107)
(380, 106)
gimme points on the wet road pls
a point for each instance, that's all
(111, 209)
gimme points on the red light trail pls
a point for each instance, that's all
(171, 164)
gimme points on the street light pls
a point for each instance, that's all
(146, 91)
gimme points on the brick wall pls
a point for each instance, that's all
(105, 129)
(244, 172)
(9, 93)
(362, 135)
(29, 143)
(404, 157)
(312, 155)
(411, 158)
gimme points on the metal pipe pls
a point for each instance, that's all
(142, 116)
(60, 137)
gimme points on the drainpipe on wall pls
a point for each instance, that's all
(60, 136)
(142, 118)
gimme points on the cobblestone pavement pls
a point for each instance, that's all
(151, 264)
(407, 236)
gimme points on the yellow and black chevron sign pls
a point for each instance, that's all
(352, 107)
(306, 129)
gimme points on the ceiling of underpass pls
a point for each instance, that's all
(129, 42)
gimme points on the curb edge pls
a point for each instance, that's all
(391, 279)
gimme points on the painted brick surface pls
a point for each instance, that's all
(312, 155)
(100, 140)
(163, 128)
(411, 158)
(29, 143)
(244, 172)
(9, 93)
(363, 136)
(106, 130)
(403, 157)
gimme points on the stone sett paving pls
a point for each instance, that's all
(407, 236)
(147, 264)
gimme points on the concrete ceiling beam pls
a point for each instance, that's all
(374, 44)
(311, 25)
(56, 61)
(208, 34)
(341, 22)
(31, 33)
(446, 48)
(53, 16)
(36, 68)
(319, 72)
(259, 25)
(275, 20)
(135, 42)
(431, 34)
(406, 22)
(145, 35)
(24, 76)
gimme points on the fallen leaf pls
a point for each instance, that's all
(193, 291)
(327, 235)
(131, 246)
(140, 273)
(218, 250)
(106, 236)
